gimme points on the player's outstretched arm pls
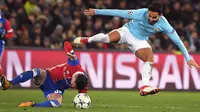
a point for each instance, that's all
(171, 32)
(194, 64)
(129, 14)
(176, 39)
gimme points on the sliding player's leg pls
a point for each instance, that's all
(53, 100)
(23, 77)
(52, 94)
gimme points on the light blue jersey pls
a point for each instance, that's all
(141, 29)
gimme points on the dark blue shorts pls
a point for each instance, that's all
(49, 86)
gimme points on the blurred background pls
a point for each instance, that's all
(48, 23)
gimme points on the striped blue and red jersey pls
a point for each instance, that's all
(62, 74)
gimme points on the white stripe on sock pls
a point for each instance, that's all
(34, 73)
(53, 104)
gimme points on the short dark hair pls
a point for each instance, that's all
(156, 6)
(81, 82)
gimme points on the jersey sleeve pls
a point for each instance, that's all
(8, 30)
(129, 14)
(171, 32)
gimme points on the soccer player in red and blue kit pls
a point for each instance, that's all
(53, 81)
(5, 32)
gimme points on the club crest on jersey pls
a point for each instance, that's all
(156, 29)
(1, 25)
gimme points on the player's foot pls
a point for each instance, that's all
(147, 90)
(69, 51)
(5, 83)
(26, 104)
(68, 47)
(81, 40)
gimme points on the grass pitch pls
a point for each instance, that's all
(106, 101)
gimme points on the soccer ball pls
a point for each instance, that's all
(82, 101)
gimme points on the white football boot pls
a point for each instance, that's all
(147, 90)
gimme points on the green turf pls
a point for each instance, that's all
(106, 101)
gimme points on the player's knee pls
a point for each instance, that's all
(36, 72)
(149, 59)
(114, 37)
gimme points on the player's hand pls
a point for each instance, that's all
(90, 12)
(193, 63)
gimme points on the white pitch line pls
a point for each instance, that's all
(140, 106)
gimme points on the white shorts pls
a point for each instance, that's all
(133, 43)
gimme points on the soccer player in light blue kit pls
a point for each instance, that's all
(144, 23)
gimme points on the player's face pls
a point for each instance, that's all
(153, 17)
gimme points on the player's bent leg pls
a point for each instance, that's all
(112, 37)
(55, 96)
(53, 100)
(39, 79)
(23, 77)
(101, 37)
(146, 55)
